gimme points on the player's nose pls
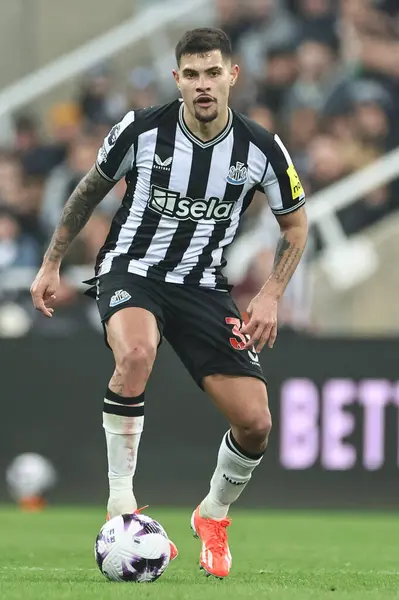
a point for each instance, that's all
(203, 84)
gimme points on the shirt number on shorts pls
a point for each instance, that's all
(239, 344)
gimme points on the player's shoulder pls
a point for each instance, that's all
(138, 121)
(258, 135)
(148, 118)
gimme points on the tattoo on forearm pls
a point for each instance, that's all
(77, 211)
(286, 258)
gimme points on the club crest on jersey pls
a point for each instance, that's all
(119, 297)
(162, 165)
(238, 175)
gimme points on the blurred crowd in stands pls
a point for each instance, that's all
(324, 74)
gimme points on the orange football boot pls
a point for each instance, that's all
(215, 557)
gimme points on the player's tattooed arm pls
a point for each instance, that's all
(286, 258)
(289, 250)
(77, 211)
(261, 327)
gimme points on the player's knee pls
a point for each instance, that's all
(261, 428)
(136, 361)
(257, 430)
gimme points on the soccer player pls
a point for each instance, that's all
(192, 168)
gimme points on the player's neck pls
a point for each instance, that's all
(206, 131)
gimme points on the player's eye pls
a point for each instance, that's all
(214, 73)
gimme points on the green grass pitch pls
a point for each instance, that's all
(276, 556)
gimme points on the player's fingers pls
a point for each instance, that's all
(263, 338)
(36, 296)
(272, 336)
(49, 300)
(48, 292)
(48, 312)
(249, 328)
(39, 304)
(254, 337)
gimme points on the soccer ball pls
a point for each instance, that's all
(29, 476)
(132, 547)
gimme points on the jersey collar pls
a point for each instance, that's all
(196, 140)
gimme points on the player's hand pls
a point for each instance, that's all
(262, 325)
(44, 288)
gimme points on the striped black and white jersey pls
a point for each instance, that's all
(185, 197)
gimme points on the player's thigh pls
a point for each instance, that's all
(207, 339)
(132, 315)
(133, 330)
(242, 400)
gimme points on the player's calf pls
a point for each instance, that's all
(233, 472)
(244, 402)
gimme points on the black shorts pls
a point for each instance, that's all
(201, 325)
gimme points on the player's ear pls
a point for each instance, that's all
(235, 69)
(176, 77)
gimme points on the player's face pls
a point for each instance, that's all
(205, 81)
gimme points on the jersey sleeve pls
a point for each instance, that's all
(280, 182)
(116, 156)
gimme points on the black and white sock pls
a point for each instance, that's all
(233, 471)
(123, 422)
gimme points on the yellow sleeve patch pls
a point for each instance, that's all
(296, 185)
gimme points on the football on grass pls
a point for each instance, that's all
(132, 548)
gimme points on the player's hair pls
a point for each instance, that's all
(202, 41)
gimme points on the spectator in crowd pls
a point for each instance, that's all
(280, 66)
(142, 90)
(98, 102)
(10, 178)
(37, 158)
(17, 249)
(82, 154)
